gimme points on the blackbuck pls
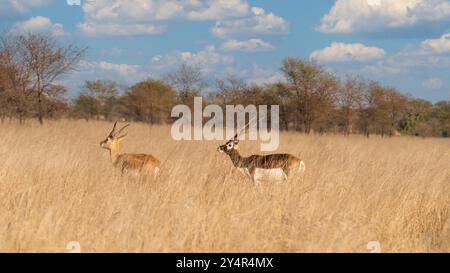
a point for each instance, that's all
(136, 164)
(263, 167)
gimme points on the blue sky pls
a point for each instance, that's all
(401, 43)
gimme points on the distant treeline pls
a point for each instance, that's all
(311, 99)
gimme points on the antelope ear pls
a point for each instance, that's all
(236, 141)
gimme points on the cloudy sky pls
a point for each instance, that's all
(402, 43)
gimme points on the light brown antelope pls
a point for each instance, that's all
(260, 167)
(137, 164)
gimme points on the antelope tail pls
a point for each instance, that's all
(156, 172)
(302, 166)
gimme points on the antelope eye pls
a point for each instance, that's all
(229, 146)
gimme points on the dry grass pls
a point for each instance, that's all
(57, 185)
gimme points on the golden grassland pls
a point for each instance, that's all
(57, 185)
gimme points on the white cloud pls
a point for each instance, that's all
(123, 72)
(39, 24)
(414, 59)
(23, 5)
(259, 75)
(126, 74)
(260, 23)
(411, 63)
(341, 52)
(251, 45)
(348, 16)
(152, 10)
(126, 70)
(408, 69)
(110, 29)
(146, 15)
(404, 64)
(256, 74)
(10, 8)
(132, 10)
(439, 45)
(208, 60)
(219, 9)
(433, 83)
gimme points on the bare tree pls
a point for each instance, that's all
(55, 103)
(188, 82)
(46, 61)
(231, 90)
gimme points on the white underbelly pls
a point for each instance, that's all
(269, 174)
(244, 171)
(133, 173)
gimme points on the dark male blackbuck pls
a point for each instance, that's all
(137, 164)
(263, 167)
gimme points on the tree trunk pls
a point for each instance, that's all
(40, 114)
(286, 124)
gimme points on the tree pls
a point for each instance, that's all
(55, 103)
(188, 83)
(312, 90)
(45, 61)
(323, 101)
(441, 112)
(349, 98)
(87, 107)
(417, 111)
(396, 104)
(380, 119)
(277, 94)
(105, 92)
(230, 91)
(367, 109)
(149, 101)
(14, 81)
